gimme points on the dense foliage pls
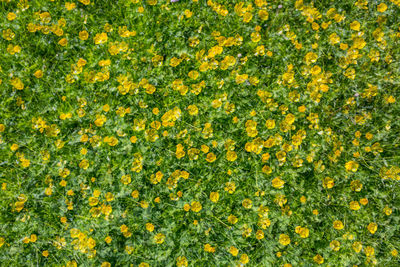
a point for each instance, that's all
(199, 133)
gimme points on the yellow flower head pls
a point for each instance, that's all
(284, 239)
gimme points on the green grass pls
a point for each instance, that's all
(72, 132)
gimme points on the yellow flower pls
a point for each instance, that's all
(231, 155)
(214, 197)
(14, 147)
(232, 219)
(354, 205)
(159, 238)
(45, 253)
(302, 231)
(247, 17)
(93, 201)
(230, 187)
(234, 251)
(335, 245)
(369, 251)
(83, 151)
(91, 243)
(188, 13)
(193, 110)
(338, 225)
(11, 16)
(69, 6)
(175, 62)
(33, 238)
(64, 172)
(84, 164)
(387, 210)
(390, 99)
(334, 38)
(38, 74)
(19, 205)
(382, 7)
(135, 194)
(17, 83)
(100, 120)
(108, 239)
(356, 185)
(8, 34)
(315, 26)
(193, 74)
(318, 259)
(355, 25)
(211, 157)
(255, 37)
(247, 203)
(181, 261)
(196, 206)
(263, 14)
(186, 207)
(328, 182)
(180, 153)
(124, 228)
(100, 38)
(133, 139)
(357, 246)
(244, 258)
(310, 57)
(372, 227)
(284, 239)
(209, 248)
(144, 204)
(259, 234)
(48, 191)
(278, 183)
(96, 193)
(63, 42)
(241, 78)
(83, 35)
(351, 166)
(270, 123)
(149, 227)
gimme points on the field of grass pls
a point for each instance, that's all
(199, 133)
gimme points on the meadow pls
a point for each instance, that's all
(199, 133)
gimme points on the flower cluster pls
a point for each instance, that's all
(200, 133)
